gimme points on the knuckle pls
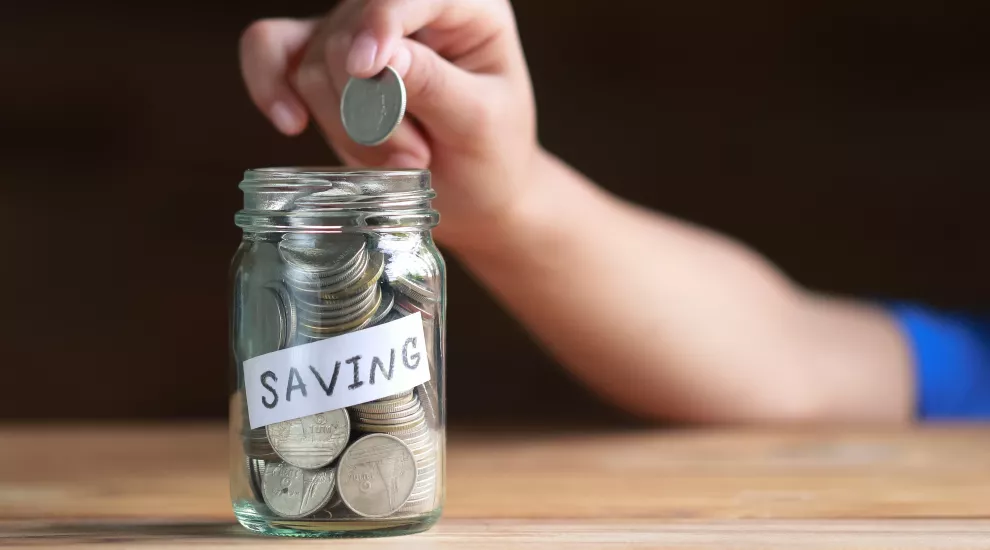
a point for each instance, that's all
(430, 85)
(258, 33)
(378, 14)
(485, 110)
(310, 80)
(486, 117)
(337, 46)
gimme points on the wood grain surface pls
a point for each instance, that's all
(166, 485)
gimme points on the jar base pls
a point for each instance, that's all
(249, 518)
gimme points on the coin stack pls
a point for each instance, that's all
(403, 416)
(334, 282)
(256, 445)
(413, 296)
(256, 473)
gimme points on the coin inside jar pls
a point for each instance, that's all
(293, 492)
(311, 441)
(376, 475)
(316, 253)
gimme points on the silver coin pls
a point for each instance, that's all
(255, 474)
(417, 438)
(311, 441)
(388, 299)
(370, 277)
(344, 318)
(259, 450)
(427, 474)
(397, 430)
(403, 405)
(401, 410)
(394, 315)
(287, 314)
(318, 273)
(340, 316)
(415, 289)
(410, 415)
(420, 498)
(293, 492)
(351, 322)
(418, 441)
(414, 415)
(395, 407)
(428, 397)
(425, 495)
(408, 394)
(320, 252)
(424, 451)
(422, 503)
(316, 306)
(426, 482)
(320, 281)
(386, 416)
(390, 403)
(424, 447)
(372, 108)
(315, 279)
(268, 329)
(376, 475)
(408, 307)
(425, 489)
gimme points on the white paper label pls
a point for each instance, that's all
(338, 372)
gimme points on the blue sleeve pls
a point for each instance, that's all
(952, 362)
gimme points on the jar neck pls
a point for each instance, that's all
(332, 200)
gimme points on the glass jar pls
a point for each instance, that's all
(337, 419)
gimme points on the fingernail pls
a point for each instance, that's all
(401, 61)
(284, 118)
(362, 55)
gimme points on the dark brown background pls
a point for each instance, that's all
(846, 141)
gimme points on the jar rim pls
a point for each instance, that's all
(309, 175)
(329, 198)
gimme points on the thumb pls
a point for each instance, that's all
(445, 99)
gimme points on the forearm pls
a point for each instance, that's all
(672, 321)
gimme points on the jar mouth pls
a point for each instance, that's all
(371, 181)
(324, 196)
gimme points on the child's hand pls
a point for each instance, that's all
(468, 93)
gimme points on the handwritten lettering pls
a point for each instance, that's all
(277, 384)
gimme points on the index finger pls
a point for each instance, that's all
(384, 23)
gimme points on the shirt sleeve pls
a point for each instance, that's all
(951, 354)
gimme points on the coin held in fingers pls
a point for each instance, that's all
(372, 108)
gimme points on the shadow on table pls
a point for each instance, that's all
(80, 532)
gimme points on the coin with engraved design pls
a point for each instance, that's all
(311, 441)
(293, 492)
(376, 475)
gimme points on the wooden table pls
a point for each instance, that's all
(166, 487)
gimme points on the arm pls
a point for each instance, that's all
(672, 321)
(664, 319)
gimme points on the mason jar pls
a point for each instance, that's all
(337, 419)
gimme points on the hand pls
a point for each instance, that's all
(470, 110)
